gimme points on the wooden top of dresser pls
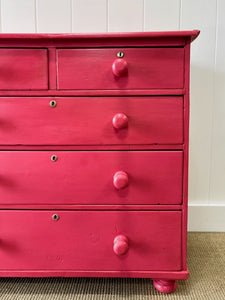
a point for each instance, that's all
(162, 38)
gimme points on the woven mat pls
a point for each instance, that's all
(206, 263)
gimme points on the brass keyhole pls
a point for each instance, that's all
(120, 54)
(54, 157)
(55, 217)
(52, 103)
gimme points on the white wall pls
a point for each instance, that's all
(207, 126)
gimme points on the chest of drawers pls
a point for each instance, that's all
(94, 155)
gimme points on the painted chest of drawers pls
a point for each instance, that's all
(94, 155)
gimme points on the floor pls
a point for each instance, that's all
(206, 263)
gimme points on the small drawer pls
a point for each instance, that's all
(91, 120)
(23, 69)
(125, 68)
(91, 177)
(90, 240)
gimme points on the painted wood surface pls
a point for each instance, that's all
(107, 179)
(23, 69)
(91, 120)
(81, 240)
(179, 275)
(146, 68)
(204, 190)
(165, 286)
(87, 177)
(98, 40)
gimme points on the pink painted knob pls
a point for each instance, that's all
(119, 67)
(120, 245)
(120, 180)
(120, 121)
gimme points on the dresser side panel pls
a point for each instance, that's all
(186, 151)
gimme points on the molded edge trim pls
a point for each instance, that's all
(176, 275)
(55, 36)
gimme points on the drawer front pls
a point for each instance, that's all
(139, 68)
(90, 240)
(23, 69)
(91, 121)
(91, 177)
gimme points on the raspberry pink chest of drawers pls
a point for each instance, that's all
(94, 155)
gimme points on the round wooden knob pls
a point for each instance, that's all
(120, 121)
(119, 67)
(120, 180)
(120, 245)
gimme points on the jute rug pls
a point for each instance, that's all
(206, 263)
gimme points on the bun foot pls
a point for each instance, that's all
(165, 286)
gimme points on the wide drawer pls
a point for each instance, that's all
(139, 68)
(91, 177)
(90, 240)
(91, 120)
(23, 69)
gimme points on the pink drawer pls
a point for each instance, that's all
(139, 68)
(90, 240)
(91, 120)
(23, 69)
(91, 177)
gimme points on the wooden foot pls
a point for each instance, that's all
(165, 286)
